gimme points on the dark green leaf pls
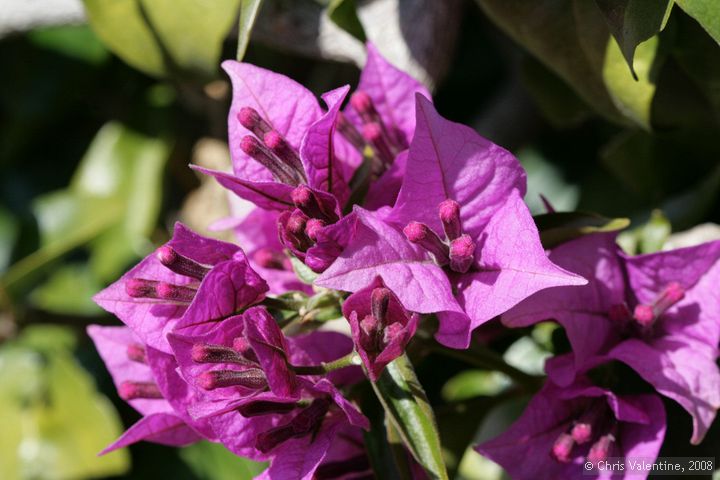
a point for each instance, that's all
(248, 14)
(344, 14)
(634, 21)
(407, 407)
(559, 227)
(567, 36)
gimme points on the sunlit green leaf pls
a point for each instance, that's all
(249, 10)
(407, 407)
(55, 422)
(633, 97)
(474, 383)
(706, 12)
(164, 37)
(212, 461)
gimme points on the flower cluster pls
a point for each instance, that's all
(402, 216)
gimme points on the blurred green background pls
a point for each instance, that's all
(104, 103)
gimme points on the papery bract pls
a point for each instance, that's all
(141, 375)
(676, 351)
(152, 299)
(380, 325)
(551, 446)
(496, 262)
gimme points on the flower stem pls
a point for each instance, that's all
(348, 360)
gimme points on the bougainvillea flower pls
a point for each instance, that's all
(147, 380)
(470, 190)
(257, 232)
(658, 313)
(380, 325)
(289, 155)
(200, 278)
(248, 354)
(257, 402)
(562, 428)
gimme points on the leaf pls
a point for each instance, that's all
(344, 14)
(111, 206)
(407, 407)
(54, 419)
(212, 461)
(164, 37)
(474, 383)
(633, 93)
(69, 291)
(706, 13)
(560, 227)
(654, 233)
(303, 272)
(192, 31)
(248, 14)
(121, 26)
(567, 36)
(634, 21)
(74, 41)
(556, 100)
(8, 235)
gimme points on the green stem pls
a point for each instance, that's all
(342, 362)
(488, 360)
(284, 303)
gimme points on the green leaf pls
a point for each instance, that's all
(75, 41)
(212, 461)
(474, 383)
(55, 422)
(634, 21)
(249, 10)
(555, 99)
(192, 31)
(162, 37)
(8, 235)
(707, 14)
(344, 14)
(69, 291)
(654, 233)
(407, 407)
(303, 272)
(559, 227)
(568, 36)
(111, 206)
(632, 93)
(122, 27)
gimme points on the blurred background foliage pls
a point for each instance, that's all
(612, 106)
